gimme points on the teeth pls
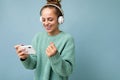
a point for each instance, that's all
(48, 27)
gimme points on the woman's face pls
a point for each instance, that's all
(50, 21)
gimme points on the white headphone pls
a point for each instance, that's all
(60, 18)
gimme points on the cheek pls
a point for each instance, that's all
(50, 23)
(54, 23)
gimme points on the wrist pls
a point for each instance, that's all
(23, 59)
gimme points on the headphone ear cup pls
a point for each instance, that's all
(60, 19)
(40, 18)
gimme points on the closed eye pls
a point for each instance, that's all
(50, 19)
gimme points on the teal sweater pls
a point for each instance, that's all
(57, 67)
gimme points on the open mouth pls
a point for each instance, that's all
(48, 28)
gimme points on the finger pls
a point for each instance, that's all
(52, 49)
(23, 56)
(20, 50)
(47, 50)
(23, 53)
(52, 45)
(16, 46)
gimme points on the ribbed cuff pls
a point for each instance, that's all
(55, 59)
(22, 59)
(26, 61)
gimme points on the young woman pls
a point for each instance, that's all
(55, 56)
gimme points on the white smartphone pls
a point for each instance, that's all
(29, 48)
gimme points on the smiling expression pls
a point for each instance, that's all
(50, 21)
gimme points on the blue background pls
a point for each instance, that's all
(94, 24)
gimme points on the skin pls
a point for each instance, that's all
(22, 53)
(50, 23)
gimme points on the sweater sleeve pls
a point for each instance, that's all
(62, 64)
(31, 61)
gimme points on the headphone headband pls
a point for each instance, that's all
(60, 18)
(56, 7)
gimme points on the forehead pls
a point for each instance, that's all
(48, 12)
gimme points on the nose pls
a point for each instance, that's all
(46, 22)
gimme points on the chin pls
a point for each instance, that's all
(48, 31)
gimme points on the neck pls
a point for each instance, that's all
(55, 33)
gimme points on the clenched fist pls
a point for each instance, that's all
(51, 50)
